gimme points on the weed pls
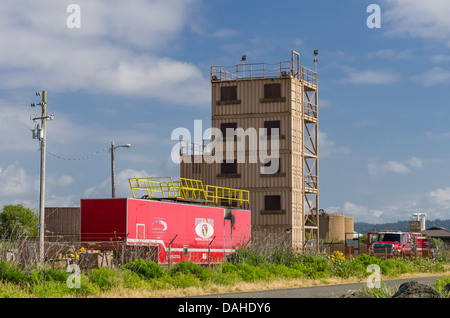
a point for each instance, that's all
(383, 292)
(11, 273)
(440, 284)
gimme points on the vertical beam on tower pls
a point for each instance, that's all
(310, 159)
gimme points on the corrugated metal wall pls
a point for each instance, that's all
(63, 221)
(249, 95)
(251, 110)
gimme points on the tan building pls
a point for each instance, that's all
(254, 107)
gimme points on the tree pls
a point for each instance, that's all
(17, 221)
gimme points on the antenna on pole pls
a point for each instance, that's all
(316, 52)
(243, 59)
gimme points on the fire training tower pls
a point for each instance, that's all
(267, 114)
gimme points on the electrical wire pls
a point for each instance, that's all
(80, 158)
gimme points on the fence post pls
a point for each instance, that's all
(170, 248)
(209, 251)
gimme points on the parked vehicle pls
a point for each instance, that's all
(391, 244)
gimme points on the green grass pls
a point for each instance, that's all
(246, 266)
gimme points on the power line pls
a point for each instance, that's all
(80, 158)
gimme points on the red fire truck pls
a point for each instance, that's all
(393, 243)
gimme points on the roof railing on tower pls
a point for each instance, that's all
(263, 70)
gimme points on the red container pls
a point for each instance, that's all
(192, 232)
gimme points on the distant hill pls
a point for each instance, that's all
(403, 226)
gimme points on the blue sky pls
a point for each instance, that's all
(136, 70)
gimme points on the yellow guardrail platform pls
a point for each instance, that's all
(188, 190)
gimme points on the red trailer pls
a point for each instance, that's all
(177, 231)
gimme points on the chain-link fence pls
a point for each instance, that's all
(24, 253)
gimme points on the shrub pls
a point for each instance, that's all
(184, 267)
(131, 279)
(396, 267)
(224, 278)
(345, 269)
(87, 288)
(426, 265)
(316, 266)
(283, 271)
(182, 280)
(145, 269)
(336, 256)
(17, 221)
(246, 272)
(246, 255)
(105, 278)
(365, 260)
(48, 275)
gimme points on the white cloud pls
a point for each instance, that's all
(390, 54)
(359, 213)
(225, 33)
(370, 77)
(440, 58)
(18, 186)
(162, 78)
(15, 127)
(60, 181)
(435, 76)
(434, 136)
(103, 190)
(53, 200)
(325, 103)
(396, 167)
(417, 18)
(384, 53)
(415, 163)
(328, 147)
(116, 50)
(15, 182)
(441, 197)
(393, 166)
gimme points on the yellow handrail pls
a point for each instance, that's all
(190, 188)
(155, 188)
(218, 195)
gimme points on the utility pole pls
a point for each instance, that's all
(40, 134)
